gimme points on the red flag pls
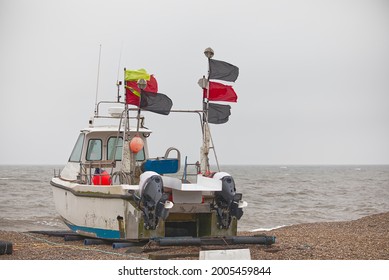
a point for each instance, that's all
(133, 91)
(220, 92)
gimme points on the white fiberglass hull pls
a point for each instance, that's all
(94, 211)
(113, 212)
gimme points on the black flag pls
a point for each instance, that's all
(155, 102)
(217, 113)
(220, 70)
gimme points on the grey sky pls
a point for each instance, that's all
(313, 85)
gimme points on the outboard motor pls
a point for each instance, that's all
(153, 202)
(227, 203)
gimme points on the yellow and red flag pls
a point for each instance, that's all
(131, 78)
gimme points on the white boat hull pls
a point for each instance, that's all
(110, 212)
(102, 212)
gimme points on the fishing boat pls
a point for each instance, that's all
(111, 188)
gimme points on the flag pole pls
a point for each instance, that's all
(205, 167)
(142, 84)
(126, 155)
(125, 97)
(127, 110)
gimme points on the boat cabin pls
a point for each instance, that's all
(97, 157)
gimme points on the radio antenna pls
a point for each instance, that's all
(98, 78)
(119, 83)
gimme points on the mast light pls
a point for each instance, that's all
(209, 52)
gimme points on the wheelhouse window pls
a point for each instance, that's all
(140, 156)
(115, 146)
(77, 150)
(94, 150)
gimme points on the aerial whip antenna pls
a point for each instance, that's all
(119, 83)
(98, 77)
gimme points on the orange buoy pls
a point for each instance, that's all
(136, 144)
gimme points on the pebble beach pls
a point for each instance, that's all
(366, 238)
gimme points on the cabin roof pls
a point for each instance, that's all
(113, 128)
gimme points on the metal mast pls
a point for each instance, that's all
(207, 138)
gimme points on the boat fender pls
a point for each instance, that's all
(136, 144)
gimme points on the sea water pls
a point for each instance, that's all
(276, 195)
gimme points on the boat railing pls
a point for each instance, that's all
(186, 174)
(57, 173)
(86, 175)
(97, 111)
